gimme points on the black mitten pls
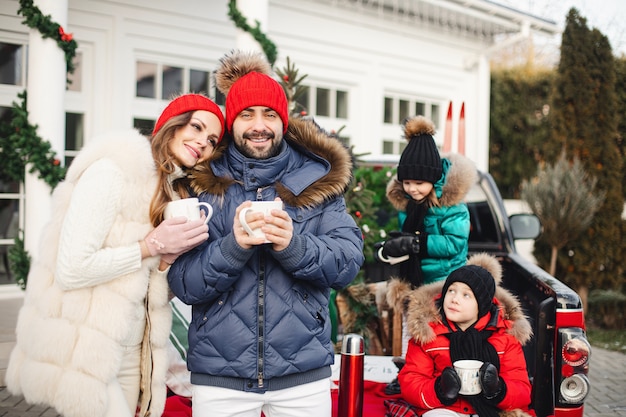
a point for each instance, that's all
(404, 244)
(492, 385)
(447, 386)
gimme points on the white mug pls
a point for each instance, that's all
(468, 371)
(263, 206)
(189, 208)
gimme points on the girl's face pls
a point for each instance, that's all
(460, 305)
(195, 142)
(417, 189)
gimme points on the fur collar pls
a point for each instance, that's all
(459, 178)
(421, 309)
(306, 137)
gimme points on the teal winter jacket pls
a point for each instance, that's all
(447, 226)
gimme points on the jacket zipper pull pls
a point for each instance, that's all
(259, 195)
(260, 380)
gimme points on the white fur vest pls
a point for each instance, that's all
(68, 341)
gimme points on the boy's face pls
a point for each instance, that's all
(417, 189)
(460, 305)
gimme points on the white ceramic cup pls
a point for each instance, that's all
(258, 206)
(189, 208)
(468, 371)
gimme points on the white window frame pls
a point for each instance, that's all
(390, 130)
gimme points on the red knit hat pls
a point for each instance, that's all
(256, 89)
(189, 102)
(244, 78)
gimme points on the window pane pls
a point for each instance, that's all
(302, 101)
(74, 136)
(8, 218)
(323, 102)
(419, 109)
(388, 110)
(146, 77)
(342, 105)
(199, 81)
(387, 147)
(434, 114)
(5, 114)
(172, 82)
(404, 111)
(144, 126)
(9, 187)
(74, 131)
(77, 77)
(220, 98)
(11, 63)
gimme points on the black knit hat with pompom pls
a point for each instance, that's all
(420, 159)
(479, 280)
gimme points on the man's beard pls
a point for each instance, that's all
(243, 145)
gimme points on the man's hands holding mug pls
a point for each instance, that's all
(259, 222)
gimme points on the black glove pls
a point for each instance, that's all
(492, 386)
(447, 386)
(400, 244)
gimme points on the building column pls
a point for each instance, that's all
(482, 114)
(46, 109)
(253, 10)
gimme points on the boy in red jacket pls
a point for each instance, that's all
(466, 320)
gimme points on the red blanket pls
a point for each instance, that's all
(373, 402)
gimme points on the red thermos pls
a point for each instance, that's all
(350, 401)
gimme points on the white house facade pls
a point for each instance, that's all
(369, 64)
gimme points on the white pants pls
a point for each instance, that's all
(124, 391)
(308, 400)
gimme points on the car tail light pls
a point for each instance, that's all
(573, 365)
(576, 352)
(574, 389)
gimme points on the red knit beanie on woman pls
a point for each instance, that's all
(189, 102)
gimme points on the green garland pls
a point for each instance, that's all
(19, 261)
(19, 143)
(35, 19)
(269, 48)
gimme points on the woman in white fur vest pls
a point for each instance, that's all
(92, 334)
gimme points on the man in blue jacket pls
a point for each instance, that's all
(259, 339)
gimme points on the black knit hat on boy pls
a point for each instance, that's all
(420, 159)
(479, 280)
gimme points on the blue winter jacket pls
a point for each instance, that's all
(260, 318)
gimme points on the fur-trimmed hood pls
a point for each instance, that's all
(309, 139)
(421, 309)
(455, 182)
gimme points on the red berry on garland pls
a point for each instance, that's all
(357, 214)
(56, 162)
(286, 78)
(303, 113)
(65, 37)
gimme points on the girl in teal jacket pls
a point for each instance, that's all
(428, 192)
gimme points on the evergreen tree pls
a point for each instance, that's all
(585, 127)
(620, 90)
(520, 114)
